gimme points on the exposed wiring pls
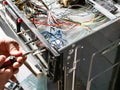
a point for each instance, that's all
(43, 13)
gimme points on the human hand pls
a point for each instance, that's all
(5, 73)
(9, 47)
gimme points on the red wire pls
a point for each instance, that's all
(44, 23)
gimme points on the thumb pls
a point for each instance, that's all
(15, 53)
(2, 59)
(14, 49)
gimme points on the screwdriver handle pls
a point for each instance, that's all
(9, 61)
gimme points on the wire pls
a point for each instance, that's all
(55, 38)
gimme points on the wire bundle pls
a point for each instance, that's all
(55, 38)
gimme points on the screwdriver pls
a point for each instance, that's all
(11, 59)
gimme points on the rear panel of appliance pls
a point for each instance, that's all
(99, 51)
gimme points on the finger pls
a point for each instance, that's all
(5, 75)
(15, 49)
(8, 72)
(2, 71)
(20, 61)
(13, 78)
(16, 65)
(2, 60)
(15, 70)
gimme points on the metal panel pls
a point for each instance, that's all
(86, 48)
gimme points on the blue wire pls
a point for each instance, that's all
(53, 37)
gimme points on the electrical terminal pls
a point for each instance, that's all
(22, 32)
(33, 40)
